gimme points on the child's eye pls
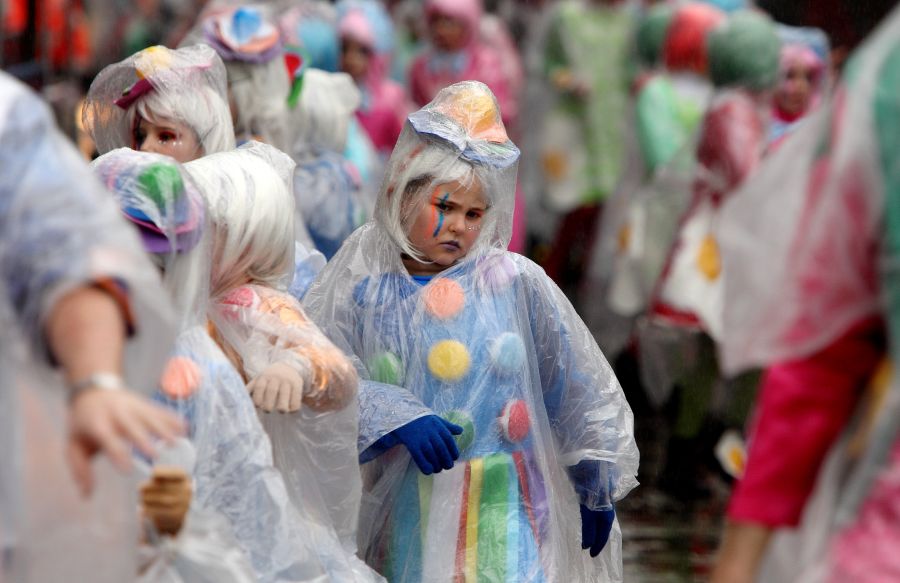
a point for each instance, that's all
(166, 137)
(442, 206)
(474, 215)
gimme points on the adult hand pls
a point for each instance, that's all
(430, 442)
(112, 422)
(278, 387)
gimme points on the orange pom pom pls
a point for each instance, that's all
(444, 298)
(181, 378)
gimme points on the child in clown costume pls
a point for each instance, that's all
(171, 102)
(367, 37)
(803, 78)
(285, 359)
(233, 475)
(469, 352)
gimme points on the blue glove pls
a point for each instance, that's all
(429, 440)
(595, 527)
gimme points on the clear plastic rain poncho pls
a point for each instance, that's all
(815, 234)
(490, 344)
(158, 84)
(258, 324)
(233, 475)
(327, 189)
(59, 230)
(249, 42)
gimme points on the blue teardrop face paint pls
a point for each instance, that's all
(440, 218)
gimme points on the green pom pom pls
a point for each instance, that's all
(651, 34)
(162, 183)
(386, 368)
(464, 440)
(745, 52)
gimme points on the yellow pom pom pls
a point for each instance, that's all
(708, 260)
(151, 60)
(449, 360)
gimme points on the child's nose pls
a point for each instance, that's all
(457, 223)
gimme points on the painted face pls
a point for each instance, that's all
(795, 92)
(447, 33)
(355, 59)
(169, 137)
(447, 226)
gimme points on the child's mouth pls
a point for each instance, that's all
(450, 245)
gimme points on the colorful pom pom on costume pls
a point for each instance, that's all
(449, 360)
(508, 353)
(464, 420)
(514, 421)
(181, 378)
(386, 368)
(444, 298)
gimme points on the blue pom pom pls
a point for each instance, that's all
(508, 352)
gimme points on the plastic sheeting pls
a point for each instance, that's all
(489, 343)
(187, 86)
(234, 475)
(259, 324)
(59, 230)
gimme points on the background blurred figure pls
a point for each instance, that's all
(586, 63)
(803, 78)
(367, 45)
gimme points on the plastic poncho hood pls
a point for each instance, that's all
(186, 85)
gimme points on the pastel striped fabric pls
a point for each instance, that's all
(481, 522)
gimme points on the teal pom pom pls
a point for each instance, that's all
(745, 52)
(508, 352)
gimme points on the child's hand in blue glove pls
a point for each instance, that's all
(595, 527)
(430, 442)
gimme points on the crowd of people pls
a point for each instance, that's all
(290, 304)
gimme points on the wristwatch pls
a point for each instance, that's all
(107, 381)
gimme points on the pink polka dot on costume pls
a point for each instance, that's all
(444, 298)
(514, 421)
(181, 378)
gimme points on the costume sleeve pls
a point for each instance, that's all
(588, 413)
(803, 407)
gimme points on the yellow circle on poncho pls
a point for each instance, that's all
(708, 260)
(449, 360)
(444, 298)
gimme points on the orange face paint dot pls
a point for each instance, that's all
(181, 378)
(444, 298)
